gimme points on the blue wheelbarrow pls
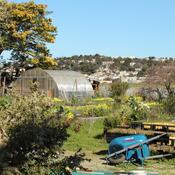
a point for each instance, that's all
(133, 148)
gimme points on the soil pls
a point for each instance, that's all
(98, 163)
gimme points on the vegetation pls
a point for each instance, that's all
(25, 30)
(33, 132)
(118, 90)
(112, 122)
(135, 109)
(34, 129)
(169, 104)
(88, 137)
(90, 63)
(81, 63)
(98, 110)
(161, 80)
(140, 110)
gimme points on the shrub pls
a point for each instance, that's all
(111, 122)
(91, 110)
(58, 100)
(125, 115)
(120, 118)
(35, 131)
(102, 100)
(140, 110)
(169, 104)
(5, 101)
(71, 163)
(153, 104)
(99, 110)
(117, 90)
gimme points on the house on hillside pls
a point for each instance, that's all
(55, 83)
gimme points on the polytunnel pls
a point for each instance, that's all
(55, 83)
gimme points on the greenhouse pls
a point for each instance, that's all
(55, 83)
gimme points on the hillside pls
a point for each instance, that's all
(103, 68)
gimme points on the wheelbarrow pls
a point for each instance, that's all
(133, 148)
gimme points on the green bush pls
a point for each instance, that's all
(91, 110)
(169, 104)
(118, 90)
(102, 100)
(125, 114)
(98, 111)
(5, 101)
(140, 110)
(111, 122)
(34, 129)
(120, 118)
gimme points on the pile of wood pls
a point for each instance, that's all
(164, 144)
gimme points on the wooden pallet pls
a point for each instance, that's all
(165, 143)
(159, 126)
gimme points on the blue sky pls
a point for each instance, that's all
(113, 27)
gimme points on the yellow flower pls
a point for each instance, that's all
(69, 117)
(34, 61)
(50, 61)
(139, 99)
(57, 100)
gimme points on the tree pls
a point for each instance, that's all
(169, 104)
(44, 62)
(25, 30)
(159, 77)
(88, 68)
(3, 25)
(118, 89)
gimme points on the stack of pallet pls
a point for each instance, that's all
(150, 129)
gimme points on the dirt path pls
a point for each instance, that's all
(98, 163)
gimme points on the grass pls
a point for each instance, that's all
(162, 167)
(89, 138)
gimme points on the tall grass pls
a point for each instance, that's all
(89, 137)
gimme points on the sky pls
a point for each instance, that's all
(138, 28)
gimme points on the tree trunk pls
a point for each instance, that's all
(160, 96)
(1, 50)
(169, 89)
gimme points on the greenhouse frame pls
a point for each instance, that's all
(55, 83)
